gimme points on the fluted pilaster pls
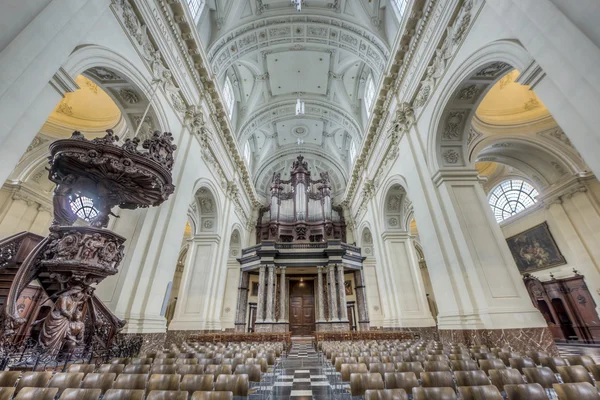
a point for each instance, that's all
(343, 310)
(260, 307)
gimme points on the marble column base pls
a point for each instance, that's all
(151, 342)
(271, 327)
(517, 340)
(364, 325)
(240, 327)
(422, 332)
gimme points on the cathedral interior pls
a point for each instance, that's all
(306, 199)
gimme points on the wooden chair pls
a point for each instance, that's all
(348, 369)
(359, 383)
(415, 367)
(382, 368)
(542, 376)
(435, 366)
(401, 380)
(471, 378)
(103, 382)
(437, 393)
(66, 380)
(81, 394)
(437, 379)
(212, 396)
(489, 392)
(553, 363)
(585, 361)
(9, 378)
(36, 393)
(464, 365)
(85, 368)
(167, 395)
(165, 361)
(111, 368)
(190, 369)
(6, 393)
(532, 391)
(195, 383)
(386, 394)
(238, 384)
(34, 380)
(576, 391)
(131, 382)
(536, 356)
(520, 363)
(252, 370)
(163, 369)
(487, 365)
(123, 394)
(575, 374)
(163, 382)
(501, 377)
(136, 369)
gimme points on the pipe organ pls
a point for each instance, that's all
(301, 209)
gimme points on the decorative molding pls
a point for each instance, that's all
(63, 83)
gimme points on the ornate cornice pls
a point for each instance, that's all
(295, 29)
(180, 26)
(396, 82)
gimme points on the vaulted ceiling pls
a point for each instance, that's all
(273, 55)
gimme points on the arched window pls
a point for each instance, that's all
(400, 6)
(369, 94)
(195, 7)
(228, 96)
(511, 197)
(352, 151)
(83, 207)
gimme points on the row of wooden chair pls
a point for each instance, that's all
(31, 393)
(570, 391)
(238, 384)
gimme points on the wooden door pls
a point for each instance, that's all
(302, 308)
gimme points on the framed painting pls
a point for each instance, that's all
(348, 287)
(535, 249)
(254, 290)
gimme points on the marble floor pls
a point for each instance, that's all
(303, 375)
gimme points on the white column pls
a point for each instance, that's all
(29, 62)
(260, 307)
(333, 308)
(342, 293)
(496, 297)
(320, 299)
(405, 275)
(283, 309)
(270, 294)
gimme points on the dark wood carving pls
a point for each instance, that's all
(567, 306)
(72, 259)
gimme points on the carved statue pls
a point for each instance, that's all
(325, 177)
(65, 320)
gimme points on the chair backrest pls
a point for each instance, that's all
(414, 366)
(167, 395)
(111, 368)
(216, 370)
(489, 392)
(212, 396)
(99, 381)
(238, 384)
(119, 361)
(436, 357)
(194, 361)
(437, 379)
(464, 365)
(531, 391)
(195, 383)
(501, 377)
(401, 380)
(471, 378)
(434, 393)
(436, 366)
(163, 369)
(382, 368)
(486, 365)
(139, 361)
(165, 361)
(386, 394)
(9, 378)
(343, 360)
(585, 361)
(537, 355)
(163, 382)
(85, 368)
(459, 357)
(553, 363)
(359, 383)
(543, 376)
(136, 369)
(65, 380)
(36, 393)
(576, 391)
(81, 394)
(520, 363)
(484, 356)
(6, 393)
(575, 374)
(123, 394)
(348, 369)
(34, 380)
(252, 370)
(190, 369)
(131, 381)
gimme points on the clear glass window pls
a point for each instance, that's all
(195, 7)
(401, 6)
(511, 197)
(228, 97)
(369, 94)
(83, 207)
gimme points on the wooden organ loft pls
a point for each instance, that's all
(300, 209)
